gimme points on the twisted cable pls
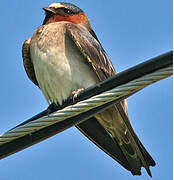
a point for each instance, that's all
(86, 105)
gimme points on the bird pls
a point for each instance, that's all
(64, 57)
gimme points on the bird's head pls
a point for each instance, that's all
(61, 11)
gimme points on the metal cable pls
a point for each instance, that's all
(83, 106)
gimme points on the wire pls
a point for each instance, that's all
(91, 101)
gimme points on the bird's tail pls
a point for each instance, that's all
(116, 122)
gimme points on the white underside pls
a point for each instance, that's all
(59, 71)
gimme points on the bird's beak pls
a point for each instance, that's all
(49, 10)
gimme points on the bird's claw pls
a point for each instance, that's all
(76, 93)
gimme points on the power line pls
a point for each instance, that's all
(90, 101)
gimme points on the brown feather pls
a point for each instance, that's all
(115, 119)
(28, 65)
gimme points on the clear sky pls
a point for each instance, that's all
(130, 32)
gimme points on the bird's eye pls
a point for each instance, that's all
(68, 11)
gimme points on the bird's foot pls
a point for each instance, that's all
(76, 93)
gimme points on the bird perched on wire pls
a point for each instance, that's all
(65, 56)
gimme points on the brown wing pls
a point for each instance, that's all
(92, 50)
(131, 147)
(28, 65)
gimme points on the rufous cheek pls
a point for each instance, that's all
(76, 19)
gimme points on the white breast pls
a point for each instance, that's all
(59, 66)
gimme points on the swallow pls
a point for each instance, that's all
(63, 56)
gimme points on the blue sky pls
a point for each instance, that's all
(130, 32)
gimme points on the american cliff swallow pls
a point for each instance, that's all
(65, 55)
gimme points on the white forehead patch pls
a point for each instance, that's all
(56, 5)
